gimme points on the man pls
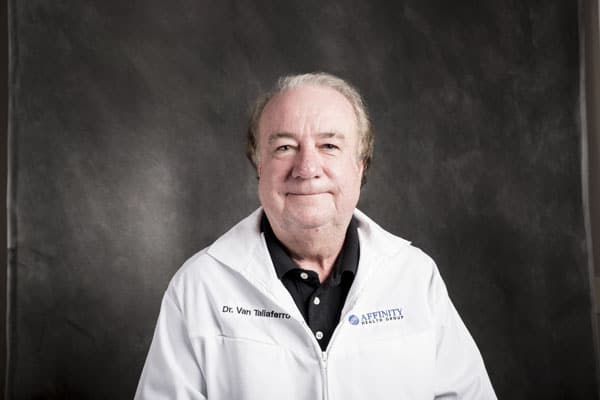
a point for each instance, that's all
(307, 298)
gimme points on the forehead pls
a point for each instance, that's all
(308, 109)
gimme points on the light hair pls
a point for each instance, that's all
(322, 79)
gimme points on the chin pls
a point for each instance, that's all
(310, 219)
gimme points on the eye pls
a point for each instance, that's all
(330, 146)
(283, 148)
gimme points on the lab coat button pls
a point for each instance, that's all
(319, 335)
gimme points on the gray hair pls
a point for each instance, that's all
(315, 79)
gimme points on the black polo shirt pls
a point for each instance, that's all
(320, 303)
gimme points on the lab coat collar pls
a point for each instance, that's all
(244, 249)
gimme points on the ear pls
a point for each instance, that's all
(258, 169)
(361, 167)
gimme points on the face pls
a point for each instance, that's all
(308, 167)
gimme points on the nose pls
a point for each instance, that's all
(307, 164)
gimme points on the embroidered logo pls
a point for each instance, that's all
(376, 317)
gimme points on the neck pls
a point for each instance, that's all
(314, 249)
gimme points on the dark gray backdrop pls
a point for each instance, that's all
(127, 120)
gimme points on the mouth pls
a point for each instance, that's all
(305, 194)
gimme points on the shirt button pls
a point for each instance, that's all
(304, 275)
(319, 335)
(316, 301)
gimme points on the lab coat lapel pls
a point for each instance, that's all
(243, 249)
(376, 246)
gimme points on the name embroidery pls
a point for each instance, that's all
(255, 312)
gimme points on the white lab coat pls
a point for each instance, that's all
(228, 329)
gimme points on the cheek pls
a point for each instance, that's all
(351, 175)
(269, 181)
(348, 186)
(274, 170)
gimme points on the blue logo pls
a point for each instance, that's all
(375, 317)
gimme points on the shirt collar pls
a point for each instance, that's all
(345, 263)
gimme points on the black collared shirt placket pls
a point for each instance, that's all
(319, 303)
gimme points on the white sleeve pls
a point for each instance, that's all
(460, 373)
(172, 370)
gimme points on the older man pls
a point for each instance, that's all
(307, 298)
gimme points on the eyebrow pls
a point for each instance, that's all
(325, 135)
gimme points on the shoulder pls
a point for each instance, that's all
(396, 257)
(379, 241)
(225, 257)
(193, 269)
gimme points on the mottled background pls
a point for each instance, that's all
(127, 122)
